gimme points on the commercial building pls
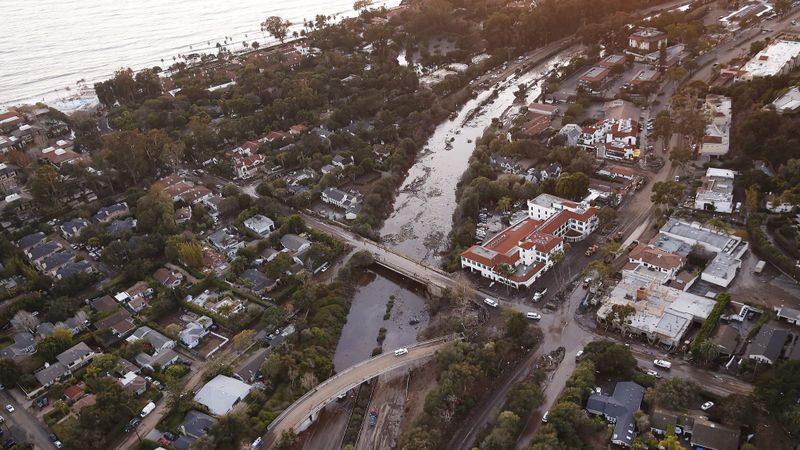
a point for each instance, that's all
(678, 237)
(523, 252)
(662, 314)
(642, 76)
(778, 58)
(595, 77)
(646, 40)
(716, 192)
(716, 141)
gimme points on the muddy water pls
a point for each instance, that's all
(424, 207)
(366, 318)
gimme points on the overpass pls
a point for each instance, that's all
(302, 412)
(435, 280)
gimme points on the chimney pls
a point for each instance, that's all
(641, 294)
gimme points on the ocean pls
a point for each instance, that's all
(55, 50)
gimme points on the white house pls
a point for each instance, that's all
(716, 192)
(260, 224)
(246, 166)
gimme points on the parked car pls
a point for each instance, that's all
(663, 363)
(491, 302)
(706, 406)
(148, 408)
(533, 316)
(9, 408)
(578, 355)
(401, 351)
(538, 295)
(544, 417)
(653, 373)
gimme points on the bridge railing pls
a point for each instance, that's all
(336, 377)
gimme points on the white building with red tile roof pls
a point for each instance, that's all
(247, 166)
(523, 252)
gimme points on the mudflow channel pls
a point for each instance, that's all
(422, 218)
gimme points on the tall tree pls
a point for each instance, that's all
(155, 211)
(277, 27)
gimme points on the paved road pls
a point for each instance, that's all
(22, 425)
(325, 392)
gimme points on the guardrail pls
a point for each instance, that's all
(338, 376)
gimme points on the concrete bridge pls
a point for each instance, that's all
(304, 411)
(435, 280)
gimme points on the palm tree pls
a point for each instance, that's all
(707, 352)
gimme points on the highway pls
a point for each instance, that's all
(327, 391)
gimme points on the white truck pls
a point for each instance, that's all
(663, 363)
(148, 408)
(759, 267)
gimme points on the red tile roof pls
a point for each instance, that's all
(657, 257)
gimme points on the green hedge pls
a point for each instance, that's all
(723, 299)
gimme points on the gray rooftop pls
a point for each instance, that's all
(256, 280)
(74, 353)
(768, 344)
(41, 250)
(694, 232)
(30, 240)
(619, 407)
(723, 266)
(293, 242)
(50, 374)
(73, 268)
(196, 423)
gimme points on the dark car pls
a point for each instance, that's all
(53, 437)
(170, 436)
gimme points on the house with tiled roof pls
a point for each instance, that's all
(523, 252)
(657, 259)
(246, 166)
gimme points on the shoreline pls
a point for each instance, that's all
(68, 101)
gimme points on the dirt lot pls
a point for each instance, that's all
(770, 288)
(388, 401)
(423, 381)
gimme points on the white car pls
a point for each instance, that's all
(706, 406)
(490, 302)
(538, 295)
(544, 417)
(9, 408)
(662, 363)
(401, 352)
(533, 316)
(578, 355)
(653, 373)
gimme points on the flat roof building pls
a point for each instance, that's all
(596, 74)
(778, 58)
(221, 394)
(788, 102)
(662, 314)
(716, 192)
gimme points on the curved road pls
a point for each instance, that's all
(327, 391)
